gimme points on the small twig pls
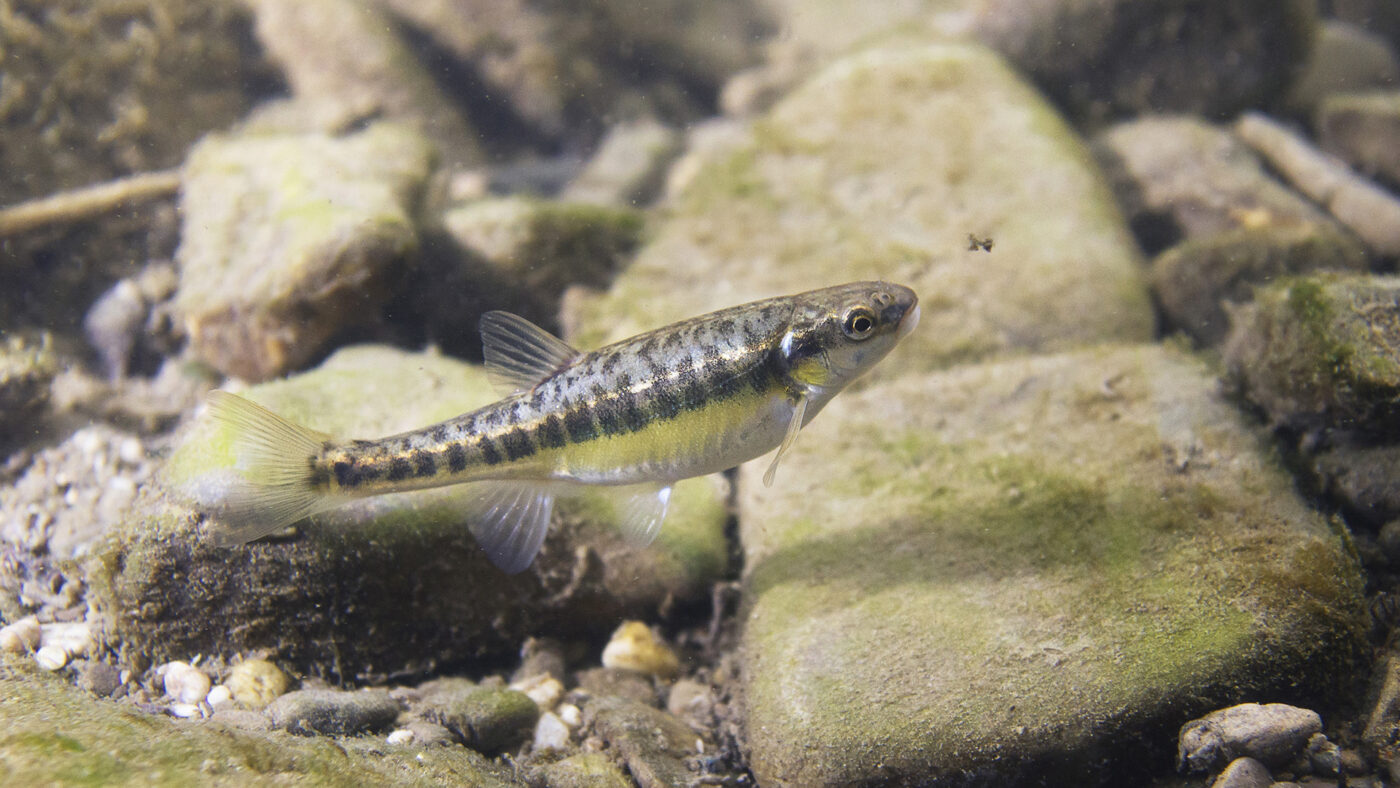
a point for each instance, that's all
(87, 202)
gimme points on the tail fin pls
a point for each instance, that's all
(274, 461)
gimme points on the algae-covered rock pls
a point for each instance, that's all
(52, 733)
(1322, 351)
(652, 743)
(1020, 571)
(1109, 57)
(290, 238)
(1196, 279)
(880, 167)
(586, 770)
(487, 719)
(332, 712)
(387, 585)
(519, 254)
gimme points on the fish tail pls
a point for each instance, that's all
(275, 463)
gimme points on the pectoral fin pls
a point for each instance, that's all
(799, 411)
(511, 521)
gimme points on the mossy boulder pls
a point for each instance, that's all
(388, 585)
(1322, 351)
(52, 733)
(880, 167)
(290, 238)
(1028, 571)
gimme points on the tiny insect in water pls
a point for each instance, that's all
(984, 244)
(692, 398)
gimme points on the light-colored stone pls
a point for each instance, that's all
(184, 682)
(958, 571)
(880, 167)
(635, 647)
(20, 637)
(254, 683)
(1273, 734)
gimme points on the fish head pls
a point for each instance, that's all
(838, 333)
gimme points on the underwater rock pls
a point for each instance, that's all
(99, 678)
(1364, 478)
(184, 683)
(20, 637)
(289, 239)
(1322, 351)
(880, 167)
(629, 166)
(1198, 279)
(1360, 205)
(489, 720)
(635, 647)
(391, 585)
(1273, 734)
(27, 367)
(1363, 129)
(1112, 57)
(1181, 178)
(1059, 554)
(1345, 58)
(57, 733)
(518, 254)
(557, 72)
(652, 743)
(1244, 773)
(333, 712)
(254, 683)
(617, 683)
(586, 770)
(347, 53)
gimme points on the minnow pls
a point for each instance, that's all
(695, 397)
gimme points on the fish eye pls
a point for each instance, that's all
(858, 323)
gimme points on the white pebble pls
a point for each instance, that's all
(219, 696)
(184, 682)
(74, 637)
(51, 657)
(185, 710)
(544, 690)
(401, 736)
(20, 637)
(570, 714)
(131, 452)
(551, 732)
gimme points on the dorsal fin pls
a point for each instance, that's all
(519, 353)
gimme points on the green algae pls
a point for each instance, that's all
(1028, 560)
(54, 734)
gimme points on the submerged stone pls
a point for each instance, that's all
(1322, 351)
(290, 238)
(333, 712)
(52, 733)
(387, 585)
(880, 167)
(1022, 570)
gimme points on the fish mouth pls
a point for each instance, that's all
(907, 323)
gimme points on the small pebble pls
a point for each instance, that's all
(99, 678)
(256, 683)
(570, 714)
(184, 710)
(219, 697)
(400, 737)
(75, 638)
(551, 733)
(333, 712)
(544, 690)
(51, 657)
(634, 647)
(1243, 773)
(688, 698)
(184, 682)
(20, 637)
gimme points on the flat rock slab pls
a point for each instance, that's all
(387, 585)
(1026, 569)
(881, 167)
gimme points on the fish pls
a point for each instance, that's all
(692, 398)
